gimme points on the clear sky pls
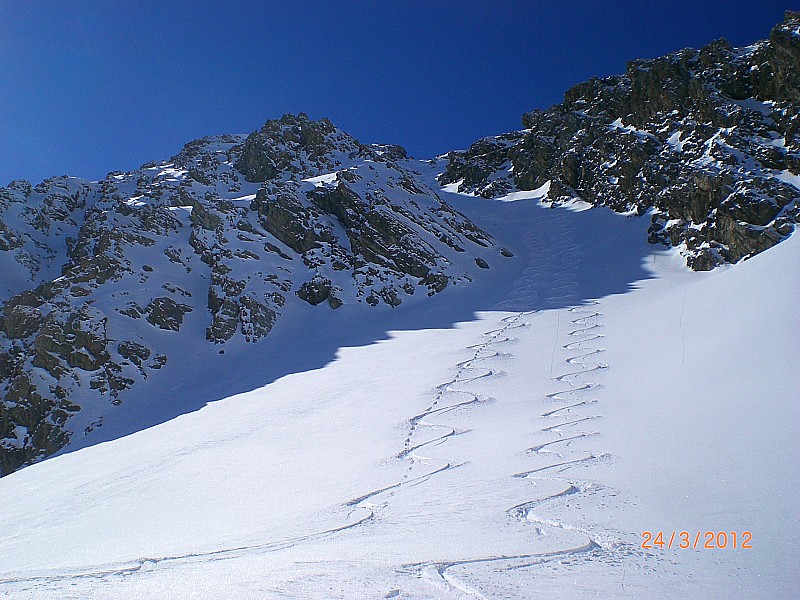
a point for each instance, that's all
(92, 86)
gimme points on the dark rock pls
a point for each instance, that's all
(134, 352)
(165, 313)
(283, 144)
(273, 248)
(315, 291)
(391, 152)
(203, 218)
(436, 282)
(256, 318)
(390, 296)
(286, 219)
(21, 321)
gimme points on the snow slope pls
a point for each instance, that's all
(600, 390)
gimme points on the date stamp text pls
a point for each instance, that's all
(707, 540)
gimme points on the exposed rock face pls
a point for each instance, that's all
(99, 278)
(295, 145)
(165, 313)
(706, 138)
(318, 290)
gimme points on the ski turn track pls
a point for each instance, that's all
(575, 370)
(561, 440)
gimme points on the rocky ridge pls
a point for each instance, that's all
(705, 139)
(100, 278)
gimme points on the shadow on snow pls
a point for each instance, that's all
(561, 258)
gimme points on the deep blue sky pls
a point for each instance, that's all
(92, 86)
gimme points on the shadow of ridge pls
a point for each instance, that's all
(572, 270)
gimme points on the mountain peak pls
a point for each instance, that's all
(105, 283)
(294, 146)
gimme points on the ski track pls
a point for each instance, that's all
(133, 566)
(437, 408)
(466, 372)
(585, 325)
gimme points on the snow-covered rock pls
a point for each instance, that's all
(706, 138)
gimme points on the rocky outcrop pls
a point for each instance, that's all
(165, 313)
(706, 140)
(294, 144)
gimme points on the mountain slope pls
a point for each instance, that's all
(108, 280)
(320, 368)
(115, 291)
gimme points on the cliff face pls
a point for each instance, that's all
(705, 138)
(211, 246)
